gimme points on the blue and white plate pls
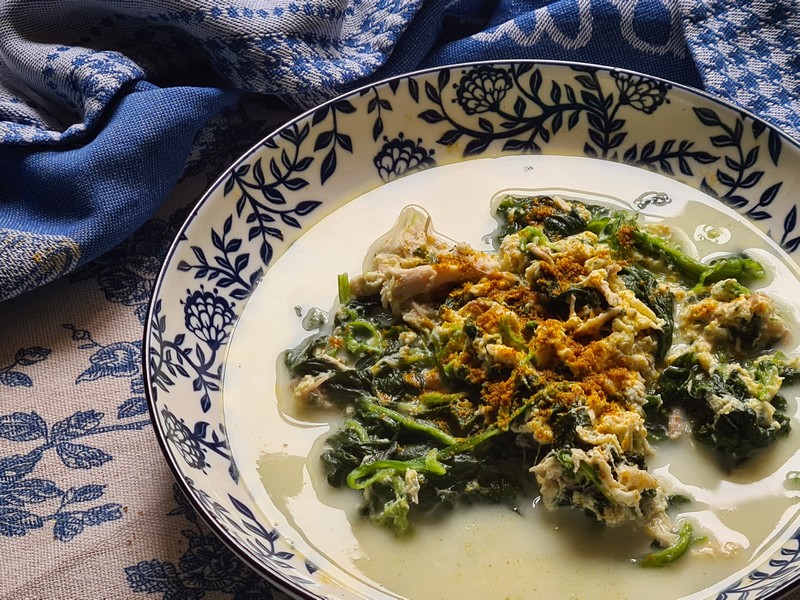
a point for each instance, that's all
(537, 125)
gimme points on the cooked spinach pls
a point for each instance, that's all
(730, 405)
(387, 455)
(502, 374)
(661, 301)
(621, 229)
(668, 555)
(515, 213)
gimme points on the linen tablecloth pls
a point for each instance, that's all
(115, 116)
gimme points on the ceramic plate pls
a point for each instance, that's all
(264, 244)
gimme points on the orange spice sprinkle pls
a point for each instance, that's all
(625, 237)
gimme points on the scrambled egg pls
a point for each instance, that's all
(598, 357)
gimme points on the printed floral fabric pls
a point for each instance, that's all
(115, 116)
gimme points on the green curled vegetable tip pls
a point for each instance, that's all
(668, 555)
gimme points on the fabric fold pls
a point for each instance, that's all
(100, 103)
(62, 206)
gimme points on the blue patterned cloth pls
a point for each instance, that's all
(747, 52)
(114, 118)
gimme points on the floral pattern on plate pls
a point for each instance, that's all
(352, 144)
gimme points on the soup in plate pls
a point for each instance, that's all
(738, 508)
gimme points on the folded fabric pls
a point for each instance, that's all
(100, 103)
(62, 205)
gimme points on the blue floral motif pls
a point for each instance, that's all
(483, 89)
(192, 443)
(760, 583)
(377, 105)
(136, 404)
(264, 544)
(206, 566)
(642, 93)
(400, 156)
(509, 103)
(518, 111)
(126, 274)
(228, 268)
(742, 170)
(172, 358)
(119, 360)
(208, 316)
(181, 437)
(25, 357)
(262, 197)
(332, 138)
(20, 490)
(70, 509)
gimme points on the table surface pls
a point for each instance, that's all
(88, 506)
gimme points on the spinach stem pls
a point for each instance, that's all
(670, 554)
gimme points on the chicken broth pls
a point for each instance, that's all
(493, 551)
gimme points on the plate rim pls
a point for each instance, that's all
(273, 576)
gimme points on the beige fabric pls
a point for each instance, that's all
(73, 348)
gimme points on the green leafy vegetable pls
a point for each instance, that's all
(585, 477)
(344, 288)
(366, 455)
(619, 227)
(730, 405)
(622, 229)
(669, 555)
(660, 301)
(515, 213)
(491, 377)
